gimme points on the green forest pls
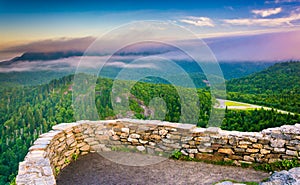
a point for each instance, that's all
(277, 86)
(28, 111)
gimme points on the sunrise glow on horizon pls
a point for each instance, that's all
(28, 23)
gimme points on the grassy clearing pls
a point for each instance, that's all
(230, 103)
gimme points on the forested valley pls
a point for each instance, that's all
(28, 111)
(277, 86)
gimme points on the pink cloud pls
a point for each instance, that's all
(265, 47)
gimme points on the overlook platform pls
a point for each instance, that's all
(95, 169)
(52, 152)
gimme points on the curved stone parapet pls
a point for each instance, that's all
(54, 150)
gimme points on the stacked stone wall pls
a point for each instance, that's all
(54, 150)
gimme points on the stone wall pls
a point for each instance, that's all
(54, 150)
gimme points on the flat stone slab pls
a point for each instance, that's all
(95, 169)
(64, 126)
(159, 123)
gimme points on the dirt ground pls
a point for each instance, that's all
(93, 169)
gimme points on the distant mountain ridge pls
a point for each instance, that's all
(30, 68)
(42, 56)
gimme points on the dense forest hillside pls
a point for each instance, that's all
(277, 86)
(24, 114)
(27, 111)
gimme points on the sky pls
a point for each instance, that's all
(27, 25)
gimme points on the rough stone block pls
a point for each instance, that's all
(205, 150)
(84, 148)
(226, 151)
(235, 157)
(252, 150)
(192, 151)
(125, 130)
(256, 145)
(245, 143)
(202, 139)
(155, 137)
(143, 141)
(279, 150)
(264, 151)
(209, 157)
(134, 136)
(173, 137)
(243, 146)
(248, 158)
(291, 152)
(278, 143)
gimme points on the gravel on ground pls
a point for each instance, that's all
(94, 169)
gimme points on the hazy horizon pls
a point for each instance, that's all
(234, 30)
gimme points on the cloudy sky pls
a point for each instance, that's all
(268, 28)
